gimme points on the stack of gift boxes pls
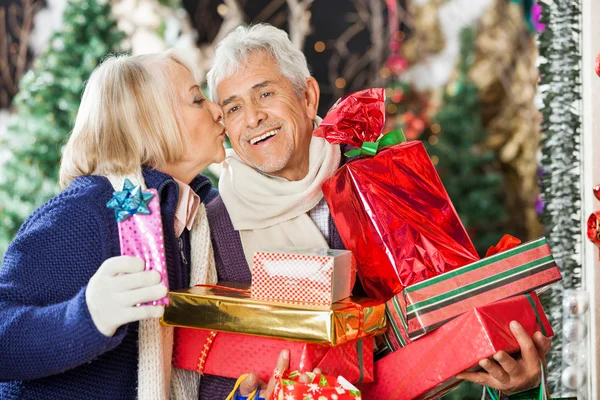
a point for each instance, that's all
(436, 308)
(300, 301)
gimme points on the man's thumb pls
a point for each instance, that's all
(249, 384)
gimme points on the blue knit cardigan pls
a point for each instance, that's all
(49, 345)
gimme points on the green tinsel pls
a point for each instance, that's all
(46, 105)
(561, 166)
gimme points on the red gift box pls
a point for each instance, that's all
(509, 269)
(431, 303)
(390, 208)
(321, 387)
(425, 369)
(232, 355)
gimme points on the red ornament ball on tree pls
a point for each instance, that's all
(597, 64)
(597, 191)
(593, 228)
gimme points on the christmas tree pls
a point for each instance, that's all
(468, 171)
(46, 106)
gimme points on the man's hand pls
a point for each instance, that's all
(509, 375)
(251, 383)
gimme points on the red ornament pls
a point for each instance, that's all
(593, 228)
(597, 64)
(408, 117)
(397, 96)
(597, 191)
(418, 124)
(397, 64)
(593, 222)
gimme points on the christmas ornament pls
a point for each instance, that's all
(573, 377)
(396, 63)
(574, 330)
(593, 228)
(593, 222)
(597, 65)
(575, 303)
(574, 354)
(597, 191)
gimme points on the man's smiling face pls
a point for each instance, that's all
(268, 124)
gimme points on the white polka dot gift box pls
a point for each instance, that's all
(316, 277)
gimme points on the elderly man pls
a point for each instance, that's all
(270, 188)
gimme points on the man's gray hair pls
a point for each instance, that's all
(234, 49)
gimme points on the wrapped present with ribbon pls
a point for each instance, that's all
(228, 307)
(140, 228)
(317, 277)
(389, 204)
(425, 369)
(209, 352)
(425, 306)
(321, 387)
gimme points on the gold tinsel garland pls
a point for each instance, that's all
(426, 37)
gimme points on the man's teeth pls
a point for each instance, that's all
(263, 137)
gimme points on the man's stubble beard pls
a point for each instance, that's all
(273, 162)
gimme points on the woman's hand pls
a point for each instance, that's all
(113, 292)
(251, 383)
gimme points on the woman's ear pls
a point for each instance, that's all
(311, 97)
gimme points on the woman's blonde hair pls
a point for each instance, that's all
(128, 117)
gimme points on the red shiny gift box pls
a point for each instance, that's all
(425, 369)
(390, 206)
(232, 355)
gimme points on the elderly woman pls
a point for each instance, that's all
(69, 324)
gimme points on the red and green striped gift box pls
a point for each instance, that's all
(396, 335)
(426, 305)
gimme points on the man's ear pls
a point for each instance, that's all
(311, 97)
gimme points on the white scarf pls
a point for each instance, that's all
(156, 379)
(269, 211)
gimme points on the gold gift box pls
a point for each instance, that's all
(227, 307)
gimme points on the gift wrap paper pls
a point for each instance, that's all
(425, 369)
(321, 387)
(390, 206)
(209, 352)
(310, 277)
(425, 306)
(141, 235)
(228, 308)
